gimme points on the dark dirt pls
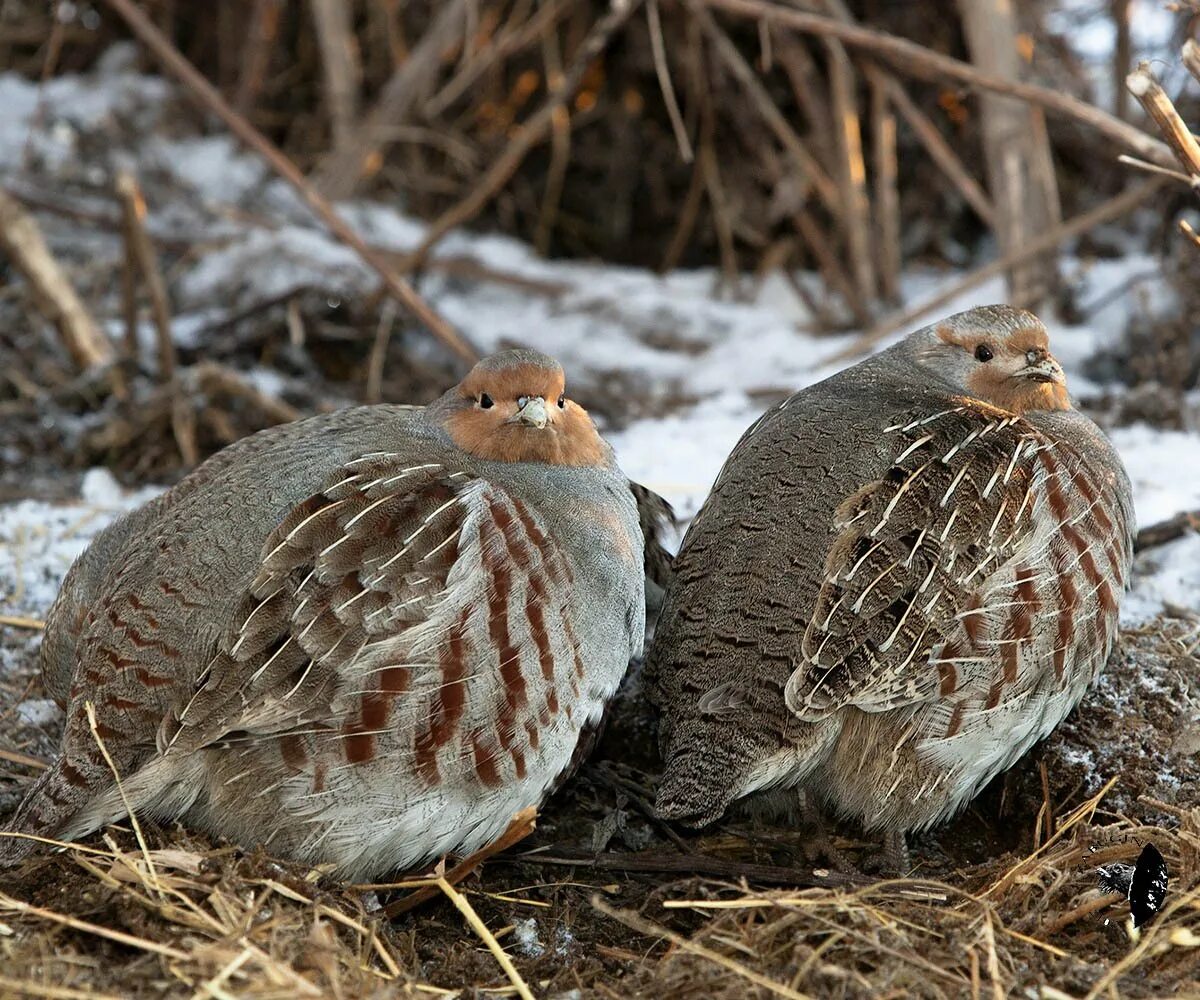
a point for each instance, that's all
(1138, 725)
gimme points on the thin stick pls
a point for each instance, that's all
(1064, 920)
(18, 621)
(560, 149)
(852, 170)
(27, 988)
(213, 375)
(1152, 168)
(7, 902)
(640, 924)
(340, 62)
(210, 97)
(513, 41)
(927, 133)
(375, 363)
(522, 825)
(360, 150)
(663, 72)
(21, 241)
(1154, 99)
(813, 172)
(488, 938)
(1189, 232)
(137, 827)
(256, 53)
(924, 63)
(941, 153)
(140, 251)
(1106, 212)
(529, 133)
(26, 760)
(1077, 816)
(1167, 531)
(887, 194)
(820, 245)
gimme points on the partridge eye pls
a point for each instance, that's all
(485, 401)
(562, 401)
(983, 353)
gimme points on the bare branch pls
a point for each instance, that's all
(919, 61)
(211, 99)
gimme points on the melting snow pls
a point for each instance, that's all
(710, 364)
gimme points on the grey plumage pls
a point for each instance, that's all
(346, 638)
(895, 587)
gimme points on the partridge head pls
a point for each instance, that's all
(365, 638)
(905, 576)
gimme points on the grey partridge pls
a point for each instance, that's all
(904, 576)
(365, 638)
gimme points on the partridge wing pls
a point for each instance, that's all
(909, 592)
(400, 596)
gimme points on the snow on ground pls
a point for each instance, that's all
(710, 362)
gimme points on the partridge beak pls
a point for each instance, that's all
(533, 413)
(1041, 366)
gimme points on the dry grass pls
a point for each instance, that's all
(188, 917)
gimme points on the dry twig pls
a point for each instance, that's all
(924, 63)
(332, 21)
(528, 134)
(1159, 107)
(22, 242)
(357, 150)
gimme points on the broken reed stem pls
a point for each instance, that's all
(1191, 58)
(887, 192)
(137, 827)
(195, 82)
(359, 152)
(923, 63)
(140, 252)
(528, 133)
(1154, 99)
(1107, 211)
(56, 299)
(811, 170)
(641, 925)
(333, 24)
(488, 938)
(851, 168)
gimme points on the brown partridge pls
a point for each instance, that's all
(364, 638)
(905, 576)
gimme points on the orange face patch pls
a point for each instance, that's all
(1017, 395)
(496, 433)
(997, 381)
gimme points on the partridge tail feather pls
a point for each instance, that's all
(60, 806)
(50, 803)
(704, 773)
